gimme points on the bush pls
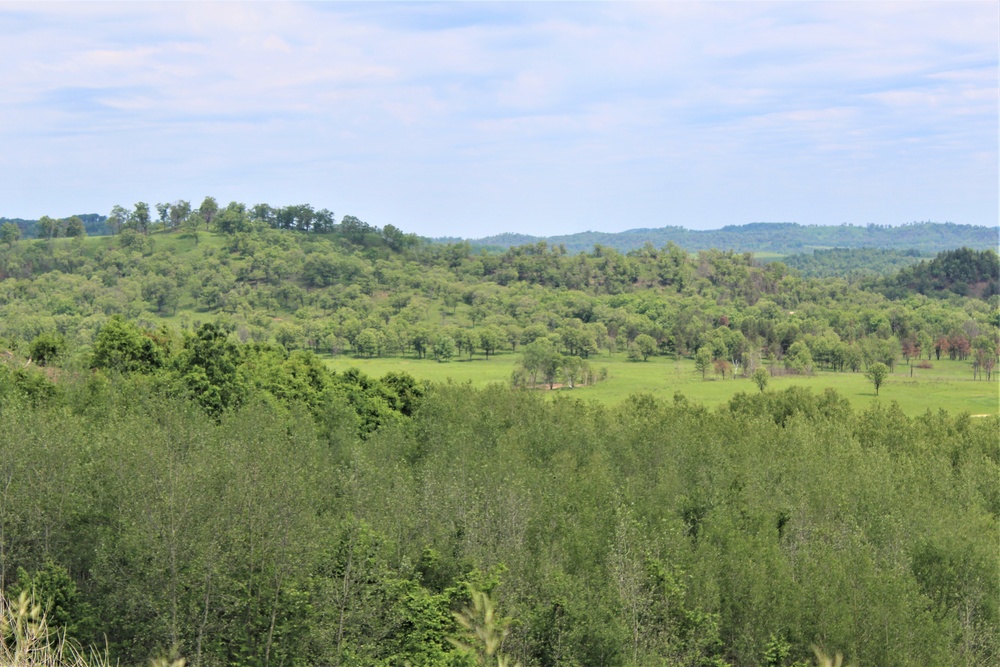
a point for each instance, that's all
(47, 347)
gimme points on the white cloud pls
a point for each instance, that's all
(442, 117)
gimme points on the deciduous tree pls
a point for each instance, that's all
(9, 233)
(876, 374)
(209, 207)
(760, 378)
(703, 360)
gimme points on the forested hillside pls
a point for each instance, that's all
(181, 473)
(852, 263)
(350, 287)
(962, 271)
(779, 237)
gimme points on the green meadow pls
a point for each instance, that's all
(948, 385)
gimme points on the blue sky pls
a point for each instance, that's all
(469, 119)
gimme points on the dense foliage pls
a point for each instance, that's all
(181, 475)
(963, 272)
(851, 263)
(277, 531)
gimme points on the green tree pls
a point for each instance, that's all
(419, 339)
(161, 292)
(180, 211)
(444, 348)
(490, 338)
(467, 340)
(576, 370)
(48, 227)
(209, 207)
(233, 219)
(703, 360)
(191, 224)
(75, 227)
(117, 219)
(289, 335)
(799, 358)
(925, 343)
(541, 357)
(876, 374)
(122, 347)
(56, 593)
(368, 343)
(9, 233)
(760, 378)
(209, 367)
(47, 347)
(163, 211)
(646, 345)
(139, 219)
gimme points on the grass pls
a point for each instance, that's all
(27, 641)
(947, 385)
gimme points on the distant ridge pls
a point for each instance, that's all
(777, 237)
(93, 223)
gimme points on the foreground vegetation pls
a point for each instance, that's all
(652, 531)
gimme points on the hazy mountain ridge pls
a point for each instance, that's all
(778, 237)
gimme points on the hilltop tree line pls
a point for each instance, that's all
(181, 216)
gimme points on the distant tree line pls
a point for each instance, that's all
(779, 237)
(47, 228)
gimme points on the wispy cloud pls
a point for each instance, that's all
(466, 118)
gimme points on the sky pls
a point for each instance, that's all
(471, 119)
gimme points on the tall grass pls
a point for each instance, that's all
(26, 640)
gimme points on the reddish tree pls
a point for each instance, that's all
(958, 346)
(722, 367)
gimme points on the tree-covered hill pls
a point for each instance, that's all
(962, 271)
(297, 277)
(778, 237)
(181, 472)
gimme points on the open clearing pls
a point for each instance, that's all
(947, 385)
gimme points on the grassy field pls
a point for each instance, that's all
(947, 385)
